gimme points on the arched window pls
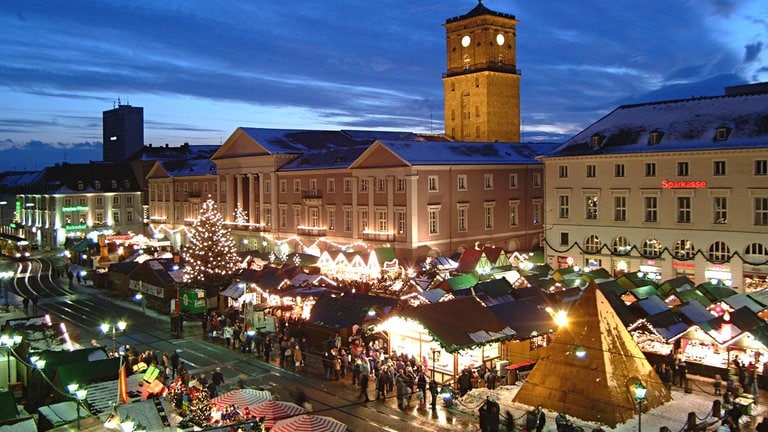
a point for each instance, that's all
(651, 247)
(755, 253)
(466, 61)
(684, 249)
(718, 252)
(592, 244)
(621, 245)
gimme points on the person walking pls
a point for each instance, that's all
(217, 379)
(541, 418)
(433, 392)
(365, 373)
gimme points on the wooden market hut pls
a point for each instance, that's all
(590, 368)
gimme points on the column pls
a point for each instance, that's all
(251, 196)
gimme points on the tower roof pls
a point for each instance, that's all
(477, 11)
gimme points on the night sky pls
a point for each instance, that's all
(201, 69)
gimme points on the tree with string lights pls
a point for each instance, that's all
(210, 256)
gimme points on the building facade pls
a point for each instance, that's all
(123, 132)
(671, 188)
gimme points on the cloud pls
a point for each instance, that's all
(752, 51)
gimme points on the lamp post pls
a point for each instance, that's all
(79, 395)
(434, 360)
(106, 327)
(640, 391)
(9, 342)
(139, 297)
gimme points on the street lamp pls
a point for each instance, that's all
(139, 297)
(9, 342)
(640, 391)
(106, 327)
(79, 395)
(434, 360)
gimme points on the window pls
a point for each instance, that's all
(347, 220)
(488, 215)
(116, 217)
(432, 185)
(488, 181)
(433, 218)
(313, 185)
(618, 170)
(651, 247)
(80, 185)
(536, 179)
(562, 171)
(382, 224)
(331, 218)
(283, 186)
(347, 185)
(621, 245)
(461, 182)
(650, 169)
(514, 210)
(297, 186)
(683, 249)
(655, 137)
(564, 239)
(363, 212)
(67, 202)
(513, 181)
(97, 184)
(381, 185)
(592, 244)
(283, 217)
(400, 185)
(129, 200)
(461, 217)
(718, 168)
(99, 217)
(113, 184)
(597, 139)
(718, 252)
(591, 171)
(591, 207)
(761, 211)
(684, 209)
(722, 132)
(268, 216)
(720, 207)
(314, 217)
(755, 253)
(330, 185)
(761, 167)
(81, 201)
(651, 208)
(205, 187)
(536, 210)
(296, 216)
(99, 202)
(564, 206)
(682, 169)
(620, 208)
(401, 225)
(363, 185)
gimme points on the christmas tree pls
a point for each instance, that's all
(200, 409)
(210, 254)
(241, 216)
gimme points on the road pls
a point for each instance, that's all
(85, 308)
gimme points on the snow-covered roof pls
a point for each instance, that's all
(467, 153)
(680, 125)
(189, 167)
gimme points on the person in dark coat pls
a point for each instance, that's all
(541, 418)
(433, 392)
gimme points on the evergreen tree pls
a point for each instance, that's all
(210, 256)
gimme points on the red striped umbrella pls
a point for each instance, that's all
(273, 411)
(309, 423)
(242, 397)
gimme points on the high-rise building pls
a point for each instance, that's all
(482, 83)
(123, 132)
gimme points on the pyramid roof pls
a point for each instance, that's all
(595, 385)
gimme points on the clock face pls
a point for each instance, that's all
(465, 41)
(500, 39)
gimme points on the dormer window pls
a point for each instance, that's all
(97, 184)
(655, 137)
(722, 133)
(80, 185)
(126, 184)
(597, 140)
(113, 184)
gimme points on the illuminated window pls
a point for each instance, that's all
(621, 245)
(720, 207)
(651, 247)
(718, 252)
(683, 249)
(591, 207)
(592, 244)
(514, 211)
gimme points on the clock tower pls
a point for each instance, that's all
(482, 83)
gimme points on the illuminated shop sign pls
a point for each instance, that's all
(74, 209)
(683, 184)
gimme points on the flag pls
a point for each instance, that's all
(122, 385)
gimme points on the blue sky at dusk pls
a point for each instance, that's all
(201, 69)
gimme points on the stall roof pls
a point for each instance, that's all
(235, 290)
(715, 292)
(694, 312)
(676, 285)
(644, 292)
(461, 282)
(494, 287)
(527, 317)
(612, 286)
(760, 296)
(668, 324)
(434, 295)
(441, 321)
(345, 311)
(652, 305)
(740, 300)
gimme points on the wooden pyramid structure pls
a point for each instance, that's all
(591, 367)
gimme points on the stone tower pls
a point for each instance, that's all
(482, 83)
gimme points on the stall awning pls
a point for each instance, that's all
(235, 291)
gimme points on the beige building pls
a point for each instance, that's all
(668, 188)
